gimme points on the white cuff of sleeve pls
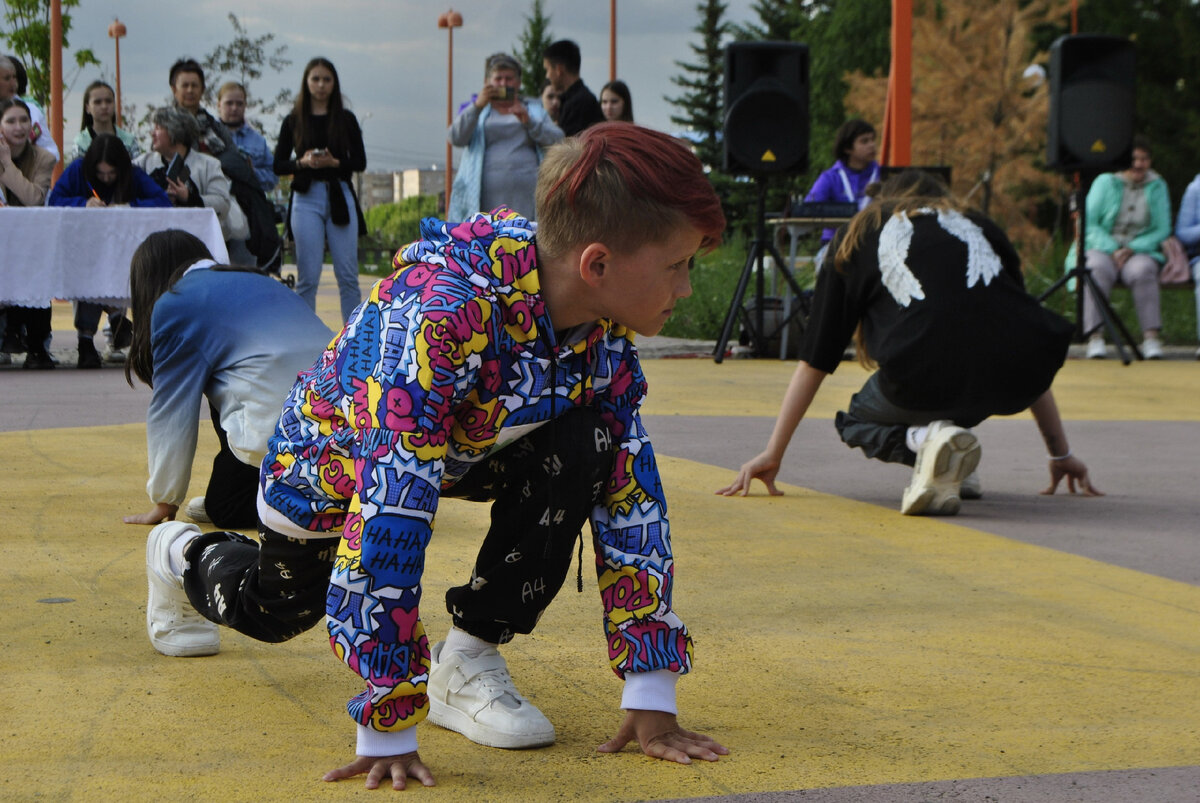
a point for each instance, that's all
(386, 743)
(650, 691)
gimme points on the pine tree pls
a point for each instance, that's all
(533, 42)
(701, 103)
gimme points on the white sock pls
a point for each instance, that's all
(176, 552)
(915, 436)
(461, 641)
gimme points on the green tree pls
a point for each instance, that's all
(532, 43)
(701, 103)
(243, 60)
(27, 24)
(842, 38)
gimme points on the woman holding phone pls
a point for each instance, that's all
(504, 139)
(192, 178)
(320, 145)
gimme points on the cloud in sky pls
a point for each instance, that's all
(390, 54)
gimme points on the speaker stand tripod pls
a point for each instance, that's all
(1083, 279)
(755, 324)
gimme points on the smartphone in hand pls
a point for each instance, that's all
(177, 170)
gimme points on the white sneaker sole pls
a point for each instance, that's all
(938, 475)
(209, 642)
(445, 716)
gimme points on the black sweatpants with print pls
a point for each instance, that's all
(542, 488)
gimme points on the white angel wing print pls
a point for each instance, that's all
(893, 254)
(982, 262)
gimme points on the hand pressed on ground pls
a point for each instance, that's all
(156, 515)
(1076, 472)
(765, 467)
(659, 735)
(400, 768)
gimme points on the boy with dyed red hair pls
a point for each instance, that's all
(489, 366)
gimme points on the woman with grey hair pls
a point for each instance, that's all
(200, 182)
(504, 139)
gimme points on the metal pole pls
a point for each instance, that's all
(56, 80)
(612, 40)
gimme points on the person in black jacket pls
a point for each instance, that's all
(578, 106)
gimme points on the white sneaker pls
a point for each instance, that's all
(1198, 353)
(1152, 348)
(196, 511)
(476, 697)
(1097, 349)
(972, 487)
(947, 456)
(174, 626)
(115, 355)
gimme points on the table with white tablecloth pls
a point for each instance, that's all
(83, 253)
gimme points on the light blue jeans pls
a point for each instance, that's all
(1196, 279)
(313, 229)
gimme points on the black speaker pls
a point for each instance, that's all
(1091, 103)
(766, 108)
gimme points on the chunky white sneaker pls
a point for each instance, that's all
(1152, 348)
(947, 456)
(174, 626)
(476, 697)
(972, 487)
(1097, 349)
(196, 511)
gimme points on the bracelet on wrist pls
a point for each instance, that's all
(1061, 456)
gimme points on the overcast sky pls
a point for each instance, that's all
(390, 54)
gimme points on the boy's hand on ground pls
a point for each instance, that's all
(660, 736)
(156, 515)
(399, 768)
(1076, 472)
(763, 467)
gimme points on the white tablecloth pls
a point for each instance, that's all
(78, 253)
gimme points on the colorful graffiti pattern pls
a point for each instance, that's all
(451, 349)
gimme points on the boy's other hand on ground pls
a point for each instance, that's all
(157, 515)
(763, 467)
(660, 736)
(400, 768)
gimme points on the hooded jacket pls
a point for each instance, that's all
(452, 357)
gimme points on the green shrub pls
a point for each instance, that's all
(398, 224)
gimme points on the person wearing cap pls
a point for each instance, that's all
(504, 137)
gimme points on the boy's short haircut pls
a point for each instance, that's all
(186, 65)
(852, 129)
(566, 53)
(625, 186)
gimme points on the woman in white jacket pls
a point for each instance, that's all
(201, 184)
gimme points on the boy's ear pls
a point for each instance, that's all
(593, 263)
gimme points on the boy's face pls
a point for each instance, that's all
(640, 289)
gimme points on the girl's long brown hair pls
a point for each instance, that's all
(156, 265)
(302, 122)
(903, 193)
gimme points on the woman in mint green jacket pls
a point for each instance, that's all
(1128, 217)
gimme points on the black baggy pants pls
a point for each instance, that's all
(542, 488)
